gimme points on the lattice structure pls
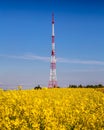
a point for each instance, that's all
(53, 77)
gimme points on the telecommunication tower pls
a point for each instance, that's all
(53, 77)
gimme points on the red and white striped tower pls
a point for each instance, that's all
(53, 77)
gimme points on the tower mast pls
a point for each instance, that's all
(53, 77)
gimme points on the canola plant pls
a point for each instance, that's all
(52, 109)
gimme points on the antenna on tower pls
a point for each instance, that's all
(53, 77)
(52, 18)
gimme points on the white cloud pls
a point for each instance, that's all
(76, 61)
(61, 60)
(87, 70)
(26, 57)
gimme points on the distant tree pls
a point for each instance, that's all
(72, 86)
(80, 86)
(89, 86)
(100, 86)
(37, 87)
(95, 86)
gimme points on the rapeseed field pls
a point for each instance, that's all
(52, 109)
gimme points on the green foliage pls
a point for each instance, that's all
(37, 87)
(87, 86)
(72, 86)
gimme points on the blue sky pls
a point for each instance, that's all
(25, 42)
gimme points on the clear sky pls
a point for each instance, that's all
(25, 42)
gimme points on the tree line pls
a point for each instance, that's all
(77, 86)
(87, 86)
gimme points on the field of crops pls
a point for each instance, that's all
(100, 89)
(52, 109)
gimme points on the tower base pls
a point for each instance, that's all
(52, 84)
